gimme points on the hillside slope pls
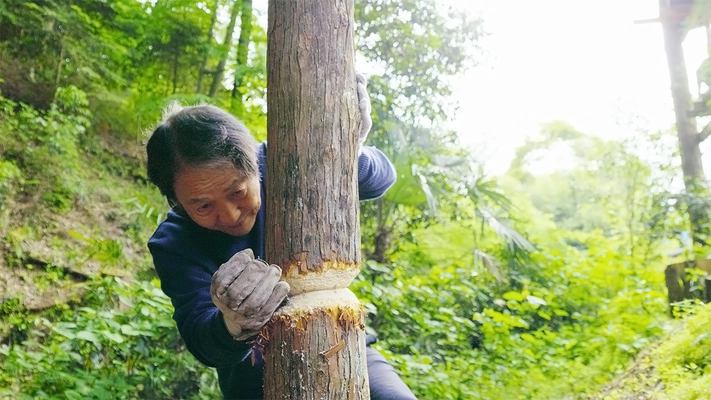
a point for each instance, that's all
(82, 315)
(676, 368)
(74, 204)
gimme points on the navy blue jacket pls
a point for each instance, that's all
(186, 255)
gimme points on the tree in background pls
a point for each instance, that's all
(417, 46)
(677, 18)
(600, 185)
(241, 70)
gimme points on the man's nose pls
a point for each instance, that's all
(229, 214)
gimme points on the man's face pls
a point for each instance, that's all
(219, 198)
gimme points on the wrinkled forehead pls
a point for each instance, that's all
(196, 181)
(219, 166)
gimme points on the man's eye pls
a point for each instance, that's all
(238, 193)
(203, 207)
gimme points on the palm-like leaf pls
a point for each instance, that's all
(490, 262)
(514, 240)
(414, 187)
(483, 191)
(424, 176)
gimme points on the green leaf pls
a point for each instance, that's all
(528, 338)
(65, 329)
(544, 315)
(536, 301)
(115, 337)
(130, 331)
(88, 336)
(73, 395)
(515, 296)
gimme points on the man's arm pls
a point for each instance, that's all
(186, 281)
(376, 174)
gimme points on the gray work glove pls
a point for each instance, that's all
(364, 107)
(247, 291)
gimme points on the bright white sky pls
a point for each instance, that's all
(581, 61)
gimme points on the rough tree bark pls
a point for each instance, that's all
(316, 343)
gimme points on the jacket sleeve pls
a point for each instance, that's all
(376, 174)
(186, 281)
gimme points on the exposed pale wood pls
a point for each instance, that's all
(316, 349)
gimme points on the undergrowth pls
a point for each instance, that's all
(677, 369)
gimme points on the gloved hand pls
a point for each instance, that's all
(247, 291)
(365, 108)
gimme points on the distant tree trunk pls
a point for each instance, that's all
(174, 72)
(208, 41)
(242, 51)
(60, 65)
(686, 125)
(687, 134)
(226, 45)
(316, 343)
(62, 53)
(383, 235)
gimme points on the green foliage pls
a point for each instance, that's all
(418, 44)
(107, 251)
(45, 145)
(10, 181)
(140, 206)
(120, 344)
(14, 253)
(678, 368)
(57, 43)
(565, 334)
(682, 362)
(118, 341)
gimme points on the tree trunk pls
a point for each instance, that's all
(383, 233)
(688, 136)
(176, 65)
(226, 45)
(62, 54)
(203, 67)
(685, 124)
(316, 344)
(242, 52)
(60, 65)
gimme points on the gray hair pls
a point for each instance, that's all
(198, 136)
